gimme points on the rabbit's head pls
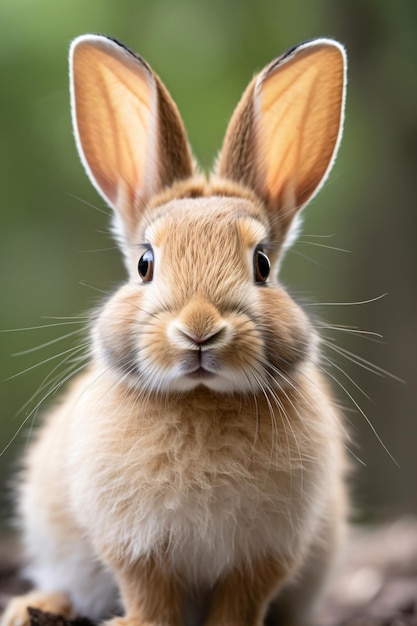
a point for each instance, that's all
(203, 305)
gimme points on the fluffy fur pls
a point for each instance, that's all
(197, 466)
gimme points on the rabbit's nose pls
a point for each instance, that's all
(204, 342)
(199, 326)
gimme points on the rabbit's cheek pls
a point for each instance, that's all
(246, 350)
(289, 339)
(114, 332)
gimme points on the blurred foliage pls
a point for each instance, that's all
(57, 258)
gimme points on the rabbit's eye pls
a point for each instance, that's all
(145, 266)
(261, 266)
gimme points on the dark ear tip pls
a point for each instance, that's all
(309, 45)
(97, 39)
(109, 44)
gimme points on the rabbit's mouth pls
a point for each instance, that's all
(200, 366)
(200, 372)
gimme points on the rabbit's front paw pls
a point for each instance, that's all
(16, 612)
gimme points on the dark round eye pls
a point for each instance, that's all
(261, 266)
(145, 266)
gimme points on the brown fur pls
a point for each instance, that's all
(198, 462)
(176, 159)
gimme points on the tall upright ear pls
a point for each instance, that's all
(129, 133)
(285, 132)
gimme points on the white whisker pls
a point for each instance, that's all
(357, 303)
(48, 343)
(350, 379)
(48, 360)
(362, 412)
(364, 363)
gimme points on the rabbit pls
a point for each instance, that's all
(195, 472)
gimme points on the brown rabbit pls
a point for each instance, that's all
(197, 466)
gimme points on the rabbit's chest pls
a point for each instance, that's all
(213, 499)
(208, 492)
(209, 520)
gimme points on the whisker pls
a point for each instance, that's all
(362, 412)
(42, 326)
(93, 206)
(357, 303)
(350, 330)
(364, 363)
(34, 410)
(307, 258)
(356, 457)
(51, 358)
(287, 422)
(307, 236)
(48, 343)
(340, 369)
(81, 318)
(93, 287)
(321, 245)
(273, 419)
(51, 380)
(109, 249)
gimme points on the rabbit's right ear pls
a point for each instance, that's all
(284, 134)
(129, 133)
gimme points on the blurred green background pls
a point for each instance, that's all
(57, 258)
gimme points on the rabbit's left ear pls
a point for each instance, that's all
(284, 134)
(129, 133)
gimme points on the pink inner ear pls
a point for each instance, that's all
(115, 119)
